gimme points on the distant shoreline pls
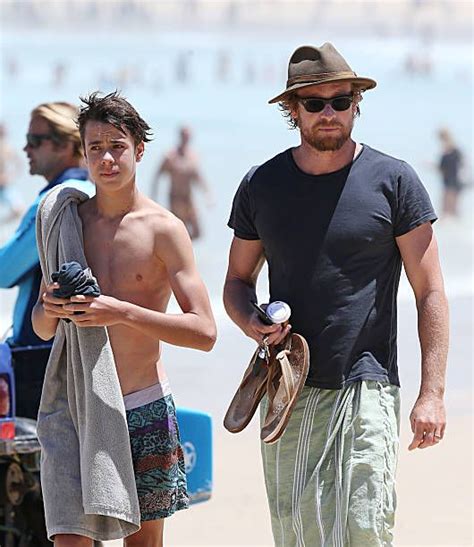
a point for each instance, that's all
(334, 34)
(428, 21)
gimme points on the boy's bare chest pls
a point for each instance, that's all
(123, 260)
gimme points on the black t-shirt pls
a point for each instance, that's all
(329, 241)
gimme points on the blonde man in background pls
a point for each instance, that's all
(53, 148)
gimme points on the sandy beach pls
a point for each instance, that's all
(434, 486)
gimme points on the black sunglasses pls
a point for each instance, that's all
(34, 140)
(317, 104)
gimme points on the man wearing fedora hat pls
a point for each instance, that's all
(335, 220)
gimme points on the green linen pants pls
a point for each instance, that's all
(330, 479)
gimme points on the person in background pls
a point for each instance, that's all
(54, 151)
(450, 165)
(182, 166)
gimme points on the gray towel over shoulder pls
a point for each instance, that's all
(86, 463)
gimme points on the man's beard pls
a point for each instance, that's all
(327, 143)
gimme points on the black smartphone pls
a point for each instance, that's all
(262, 315)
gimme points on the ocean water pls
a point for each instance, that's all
(233, 126)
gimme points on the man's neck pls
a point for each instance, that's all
(60, 169)
(183, 149)
(316, 162)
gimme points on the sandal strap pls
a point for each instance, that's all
(286, 372)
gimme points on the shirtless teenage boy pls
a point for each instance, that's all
(140, 253)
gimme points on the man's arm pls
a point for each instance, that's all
(194, 328)
(419, 252)
(19, 254)
(246, 259)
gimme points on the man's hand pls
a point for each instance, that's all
(54, 307)
(95, 311)
(428, 421)
(274, 334)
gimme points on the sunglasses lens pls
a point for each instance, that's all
(34, 141)
(341, 103)
(313, 105)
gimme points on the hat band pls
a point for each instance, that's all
(319, 77)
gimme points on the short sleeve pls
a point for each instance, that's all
(413, 206)
(242, 217)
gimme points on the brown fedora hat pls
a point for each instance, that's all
(311, 65)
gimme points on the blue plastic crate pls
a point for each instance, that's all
(196, 438)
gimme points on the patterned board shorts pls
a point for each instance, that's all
(157, 459)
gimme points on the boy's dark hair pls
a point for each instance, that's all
(116, 111)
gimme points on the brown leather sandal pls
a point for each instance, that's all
(249, 393)
(285, 382)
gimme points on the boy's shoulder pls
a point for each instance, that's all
(162, 221)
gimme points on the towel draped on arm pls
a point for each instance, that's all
(87, 472)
